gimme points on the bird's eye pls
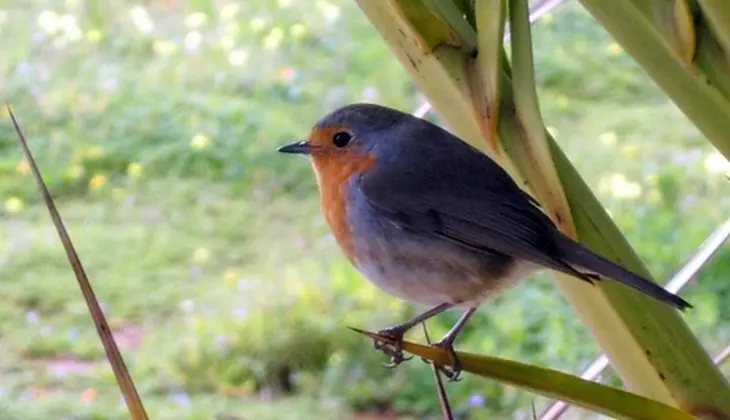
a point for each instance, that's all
(341, 139)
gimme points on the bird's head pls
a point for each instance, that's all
(351, 139)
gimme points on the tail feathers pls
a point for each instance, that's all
(578, 256)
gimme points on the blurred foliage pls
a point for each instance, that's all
(155, 126)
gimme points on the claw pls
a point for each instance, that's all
(395, 333)
(395, 351)
(453, 372)
(396, 360)
(449, 373)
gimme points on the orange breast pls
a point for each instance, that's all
(333, 175)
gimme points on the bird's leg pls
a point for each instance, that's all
(447, 343)
(397, 332)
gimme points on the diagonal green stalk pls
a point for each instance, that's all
(647, 342)
(534, 151)
(490, 22)
(662, 379)
(600, 398)
(451, 14)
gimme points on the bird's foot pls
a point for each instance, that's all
(451, 373)
(394, 350)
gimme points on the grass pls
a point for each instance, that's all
(207, 249)
(156, 272)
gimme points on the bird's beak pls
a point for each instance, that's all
(300, 147)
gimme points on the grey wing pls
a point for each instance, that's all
(468, 199)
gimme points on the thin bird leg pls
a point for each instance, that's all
(396, 332)
(447, 343)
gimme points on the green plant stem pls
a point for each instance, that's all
(551, 383)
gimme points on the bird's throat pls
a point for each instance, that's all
(334, 177)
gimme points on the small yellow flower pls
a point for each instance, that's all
(273, 39)
(257, 24)
(201, 255)
(93, 36)
(196, 20)
(22, 167)
(227, 42)
(97, 181)
(163, 48)
(134, 170)
(237, 58)
(297, 30)
(614, 49)
(608, 139)
(229, 11)
(200, 141)
(14, 205)
(49, 21)
(622, 188)
(630, 150)
(230, 276)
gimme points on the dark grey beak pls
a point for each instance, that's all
(300, 147)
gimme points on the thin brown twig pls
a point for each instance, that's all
(440, 389)
(124, 380)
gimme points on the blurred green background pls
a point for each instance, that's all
(155, 125)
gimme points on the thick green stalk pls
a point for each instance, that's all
(580, 392)
(451, 14)
(667, 372)
(632, 23)
(647, 342)
(490, 21)
(533, 148)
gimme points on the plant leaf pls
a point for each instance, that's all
(597, 397)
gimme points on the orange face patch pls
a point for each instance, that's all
(334, 167)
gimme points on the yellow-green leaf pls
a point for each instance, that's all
(600, 398)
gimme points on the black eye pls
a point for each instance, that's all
(341, 139)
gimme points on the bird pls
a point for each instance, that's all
(430, 219)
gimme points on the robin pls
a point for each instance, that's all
(432, 220)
